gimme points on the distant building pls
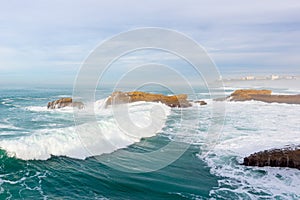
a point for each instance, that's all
(249, 78)
(290, 77)
(274, 77)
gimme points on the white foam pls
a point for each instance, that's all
(230, 88)
(63, 96)
(67, 109)
(293, 91)
(37, 108)
(104, 137)
(250, 127)
(7, 100)
(99, 105)
(8, 126)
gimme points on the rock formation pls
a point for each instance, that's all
(263, 95)
(64, 102)
(286, 157)
(200, 102)
(128, 97)
(244, 95)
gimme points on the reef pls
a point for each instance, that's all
(64, 102)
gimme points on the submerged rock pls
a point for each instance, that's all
(64, 102)
(200, 102)
(286, 157)
(263, 95)
(129, 97)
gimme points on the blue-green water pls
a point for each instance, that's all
(40, 157)
(88, 179)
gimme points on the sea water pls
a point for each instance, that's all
(42, 156)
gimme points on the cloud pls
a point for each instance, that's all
(55, 36)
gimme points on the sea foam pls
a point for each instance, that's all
(250, 127)
(86, 139)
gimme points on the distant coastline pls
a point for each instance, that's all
(290, 86)
(272, 77)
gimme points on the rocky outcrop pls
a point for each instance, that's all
(200, 102)
(64, 102)
(129, 97)
(244, 95)
(286, 157)
(264, 96)
(289, 99)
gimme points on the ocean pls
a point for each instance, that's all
(42, 156)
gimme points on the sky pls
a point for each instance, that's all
(47, 41)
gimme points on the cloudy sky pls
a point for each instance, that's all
(47, 41)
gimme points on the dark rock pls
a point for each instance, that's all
(286, 157)
(200, 102)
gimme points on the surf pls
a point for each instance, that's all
(43, 143)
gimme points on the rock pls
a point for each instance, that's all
(201, 102)
(264, 96)
(289, 99)
(129, 97)
(286, 157)
(64, 102)
(245, 95)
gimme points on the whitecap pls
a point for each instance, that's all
(105, 137)
(45, 109)
(8, 126)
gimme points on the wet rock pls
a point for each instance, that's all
(286, 157)
(200, 102)
(264, 96)
(129, 97)
(64, 102)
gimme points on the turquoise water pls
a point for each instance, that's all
(40, 159)
(69, 178)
